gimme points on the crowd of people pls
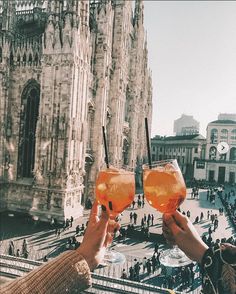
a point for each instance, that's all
(180, 277)
(229, 202)
(150, 265)
(143, 268)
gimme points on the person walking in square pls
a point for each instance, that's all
(11, 249)
(131, 216)
(135, 217)
(201, 216)
(188, 214)
(144, 263)
(152, 219)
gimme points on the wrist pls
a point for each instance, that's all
(200, 252)
(87, 257)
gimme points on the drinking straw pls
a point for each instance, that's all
(105, 146)
(148, 144)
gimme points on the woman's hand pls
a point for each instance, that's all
(98, 235)
(178, 229)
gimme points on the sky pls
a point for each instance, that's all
(192, 55)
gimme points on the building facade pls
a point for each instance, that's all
(186, 149)
(67, 68)
(217, 167)
(186, 125)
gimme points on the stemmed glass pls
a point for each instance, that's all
(165, 190)
(115, 189)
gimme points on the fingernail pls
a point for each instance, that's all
(104, 208)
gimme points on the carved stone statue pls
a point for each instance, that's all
(49, 35)
(67, 32)
(57, 44)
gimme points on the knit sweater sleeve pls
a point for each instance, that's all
(68, 273)
(219, 270)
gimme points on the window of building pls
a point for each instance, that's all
(211, 175)
(223, 157)
(160, 149)
(232, 154)
(224, 134)
(214, 136)
(212, 153)
(196, 150)
(183, 159)
(233, 134)
(184, 149)
(27, 137)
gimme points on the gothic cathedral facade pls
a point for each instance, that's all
(67, 68)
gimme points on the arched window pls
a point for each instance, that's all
(233, 134)
(212, 153)
(232, 154)
(28, 122)
(224, 134)
(214, 136)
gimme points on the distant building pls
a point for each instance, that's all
(218, 167)
(227, 116)
(186, 125)
(186, 149)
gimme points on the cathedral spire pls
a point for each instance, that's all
(138, 12)
(55, 6)
(8, 12)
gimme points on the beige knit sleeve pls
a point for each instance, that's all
(68, 273)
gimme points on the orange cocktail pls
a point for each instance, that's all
(164, 186)
(115, 189)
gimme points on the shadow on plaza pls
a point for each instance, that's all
(20, 226)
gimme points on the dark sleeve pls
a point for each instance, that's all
(219, 270)
(68, 273)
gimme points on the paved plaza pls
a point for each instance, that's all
(42, 240)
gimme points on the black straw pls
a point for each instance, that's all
(105, 146)
(148, 144)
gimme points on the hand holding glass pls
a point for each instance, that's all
(165, 190)
(115, 189)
